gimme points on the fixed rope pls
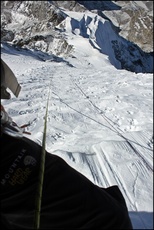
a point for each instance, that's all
(41, 171)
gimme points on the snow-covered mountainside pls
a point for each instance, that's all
(100, 116)
(113, 28)
(100, 119)
(133, 19)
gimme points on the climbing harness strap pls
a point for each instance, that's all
(8, 126)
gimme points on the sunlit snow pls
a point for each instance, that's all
(100, 119)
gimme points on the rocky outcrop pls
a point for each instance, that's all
(135, 21)
(32, 24)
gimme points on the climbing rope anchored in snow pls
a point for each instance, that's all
(41, 170)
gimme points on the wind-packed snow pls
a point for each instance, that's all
(100, 119)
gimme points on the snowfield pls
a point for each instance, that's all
(100, 119)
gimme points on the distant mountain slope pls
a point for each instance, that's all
(133, 19)
(42, 26)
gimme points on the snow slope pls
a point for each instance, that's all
(100, 119)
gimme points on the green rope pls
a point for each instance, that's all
(41, 172)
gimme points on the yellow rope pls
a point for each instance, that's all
(41, 172)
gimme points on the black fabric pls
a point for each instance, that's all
(70, 200)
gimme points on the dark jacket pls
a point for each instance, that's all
(69, 200)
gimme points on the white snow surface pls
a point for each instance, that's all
(100, 119)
